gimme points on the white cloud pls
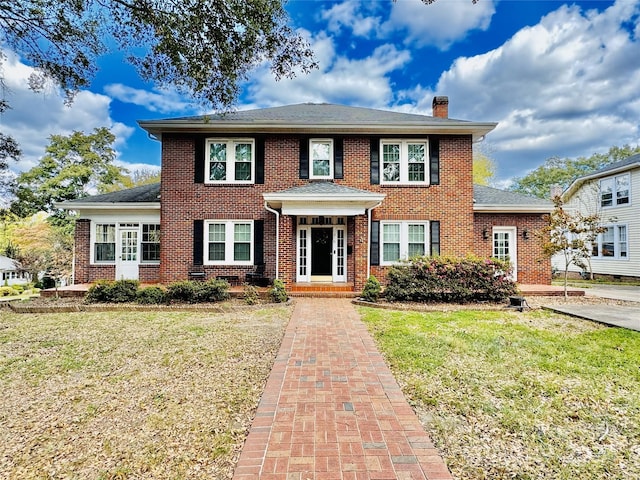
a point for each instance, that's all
(568, 86)
(339, 79)
(165, 101)
(34, 117)
(440, 24)
(358, 17)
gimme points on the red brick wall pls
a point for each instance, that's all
(533, 266)
(451, 203)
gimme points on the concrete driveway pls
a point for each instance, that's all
(624, 316)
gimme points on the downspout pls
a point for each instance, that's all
(369, 238)
(277, 214)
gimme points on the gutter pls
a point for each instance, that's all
(277, 214)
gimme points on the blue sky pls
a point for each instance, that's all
(561, 79)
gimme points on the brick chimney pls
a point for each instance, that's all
(440, 107)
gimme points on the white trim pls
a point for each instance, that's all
(404, 161)
(579, 181)
(229, 242)
(488, 208)
(230, 161)
(614, 191)
(513, 247)
(313, 141)
(616, 243)
(404, 239)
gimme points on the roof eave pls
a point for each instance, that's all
(477, 130)
(109, 206)
(488, 208)
(579, 181)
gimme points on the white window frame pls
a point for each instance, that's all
(615, 201)
(617, 243)
(230, 161)
(404, 161)
(143, 243)
(404, 239)
(229, 242)
(313, 142)
(94, 242)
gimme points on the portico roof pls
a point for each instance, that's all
(323, 198)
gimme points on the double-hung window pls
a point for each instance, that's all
(229, 242)
(150, 242)
(614, 190)
(404, 162)
(104, 243)
(612, 243)
(321, 158)
(403, 240)
(230, 160)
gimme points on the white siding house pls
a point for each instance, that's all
(613, 193)
(11, 273)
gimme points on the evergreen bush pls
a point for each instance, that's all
(151, 296)
(450, 280)
(250, 295)
(278, 292)
(118, 291)
(371, 290)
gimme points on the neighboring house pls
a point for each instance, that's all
(12, 273)
(612, 193)
(310, 194)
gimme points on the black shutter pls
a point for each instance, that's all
(258, 242)
(198, 144)
(435, 237)
(304, 157)
(338, 158)
(434, 160)
(260, 160)
(375, 243)
(375, 161)
(198, 242)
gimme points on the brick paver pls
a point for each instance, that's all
(332, 410)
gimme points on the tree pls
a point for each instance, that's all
(570, 234)
(202, 47)
(136, 179)
(483, 169)
(72, 167)
(563, 171)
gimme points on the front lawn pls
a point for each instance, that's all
(144, 395)
(509, 395)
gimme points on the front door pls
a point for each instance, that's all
(321, 252)
(127, 261)
(504, 247)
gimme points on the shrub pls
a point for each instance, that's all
(151, 296)
(47, 282)
(278, 293)
(251, 296)
(7, 292)
(451, 280)
(371, 290)
(193, 292)
(118, 291)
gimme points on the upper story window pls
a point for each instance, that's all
(612, 243)
(404, 162)
(615, 190)
(105, 242)
(321, 158)
(229, 242)
(403, 240)
(230, 160)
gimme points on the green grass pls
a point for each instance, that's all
(131, 394)
(511, 395)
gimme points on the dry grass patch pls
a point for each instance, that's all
(131, 395)
(509, 395)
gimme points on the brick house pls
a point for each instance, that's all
(310, 194)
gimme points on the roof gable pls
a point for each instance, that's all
(627, 164)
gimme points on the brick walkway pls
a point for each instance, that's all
(332, 410)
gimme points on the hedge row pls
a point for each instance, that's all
(450, 280)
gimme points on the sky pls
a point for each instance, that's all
(560, 79)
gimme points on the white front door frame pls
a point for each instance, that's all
(304, 256)
(505, 247)
(128, 253)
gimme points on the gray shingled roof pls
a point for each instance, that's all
(324, 189)
(143, 194)
(633, 159)
(483, 195)
(314, 113)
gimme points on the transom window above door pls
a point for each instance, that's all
(404, 161)
(230, 160)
